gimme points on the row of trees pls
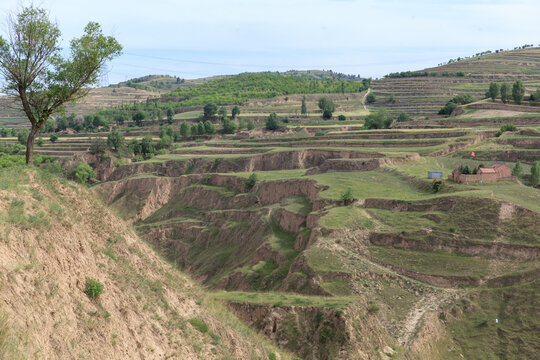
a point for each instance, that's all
(457, 100)
(517, 93)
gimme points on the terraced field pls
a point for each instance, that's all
(424, 96)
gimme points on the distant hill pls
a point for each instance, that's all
(423, 93)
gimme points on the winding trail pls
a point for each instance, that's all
(364, 99)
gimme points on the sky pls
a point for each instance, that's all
(370, 38)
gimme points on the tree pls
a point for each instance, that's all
(518, 91)
(347, 196)
(209, 128)
(250, 125)
(222, 112)
(505, 92)
(209, 110)
(36, 73)
(326, 104)
(184, 130)
(251, 181)
(272, 122)
(535, 97)
(303, 109)
(229, 126)
(535, 174)
(235, 112)
(493, 91)
(194, 130)
(517, 170)
(115, 140)
(370, 98)
(378, 120)
(448, 108)
(138, 117)
(403, 117)
(200, 128)
(170, 115)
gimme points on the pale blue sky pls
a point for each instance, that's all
(194, 38)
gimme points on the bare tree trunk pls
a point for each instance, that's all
(30, 143)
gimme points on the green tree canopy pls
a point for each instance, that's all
(115, 140)
(505, 92)
(493, 91)
(235, 112)
(36, 73)
(272, 122)
(210, 110)
(518, 91)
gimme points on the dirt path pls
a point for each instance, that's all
(422, 310)
(364, 99)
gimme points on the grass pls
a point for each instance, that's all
(435, 263)
(368, 184)
(298, 204)
(324, 260)
(346, 217)
(283, 299)
(478, 336)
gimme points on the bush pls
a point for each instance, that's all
(53, 138)
(342, 118)
(378, 120)
(448, 108)
(251, 181)
(84, 173)
(517, 170)
(229, 126)
(272, 122)
(535, 174)
(436, 185)
(504, 128)
(22, 137)
(403, 117)
(347, 196)
(250, 125)
(93, 288)
(370, 98)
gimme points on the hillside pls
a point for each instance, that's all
(55, 235)
(422, 93)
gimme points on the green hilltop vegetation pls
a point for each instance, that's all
(238, 89)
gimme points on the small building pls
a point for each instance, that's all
(496, 172)
(434, 174)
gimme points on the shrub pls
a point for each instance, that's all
(84, 173)
(448, 108)
(199, 325)
(250, 125)
(403, 117)
(53, 138)
(229, 126)
(93, 288)
(272, 122)
(320, 133)
(342, 117)
(378, 120)
(271, 355)
(517, 170)
(39, 142)
(535, 174)
(436, 185)
(251, 181)
(370, 98)
(22, 137)
(504, 128)
(347, 196)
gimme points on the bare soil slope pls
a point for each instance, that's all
(53, 236)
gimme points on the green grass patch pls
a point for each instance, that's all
(283, 299)
(346, 217)
(324, 260)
